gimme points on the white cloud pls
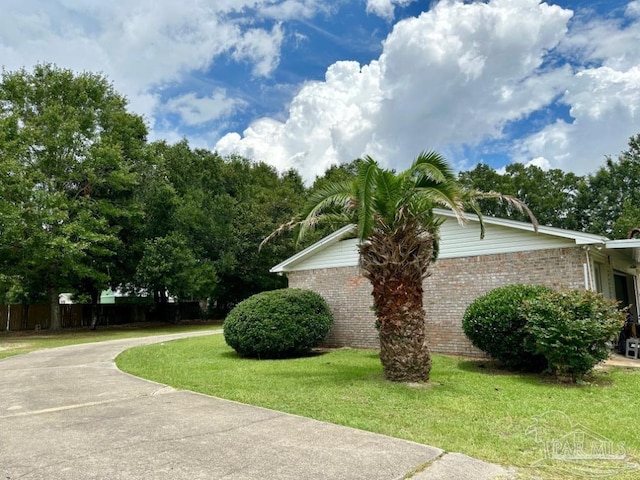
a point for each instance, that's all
(603, 100)
(262, 48)
(608, 41)
(633, 9)
(539, 162)
(605, 105)
(145, 45)
(196, 110)
(385, 8)
(450, 79)
(328, 122)
(455, 75)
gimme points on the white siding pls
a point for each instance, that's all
(341, 254)
(464, 241)
(456, 241)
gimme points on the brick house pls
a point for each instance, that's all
(467, 267)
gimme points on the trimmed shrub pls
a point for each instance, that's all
(495, 324)
(572, 328)
(278, 324)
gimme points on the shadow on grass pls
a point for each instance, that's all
(234, 354)
(316, 367)
(493, 368)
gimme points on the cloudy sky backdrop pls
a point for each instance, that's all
(310, 83)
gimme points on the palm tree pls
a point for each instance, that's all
(398, 235)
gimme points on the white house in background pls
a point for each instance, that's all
(467, 267)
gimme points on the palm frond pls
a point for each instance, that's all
(326, 205)
(368, 173)
(445, 195)
(431, 168)
(338, 194)
(285, 227)
(388, 193)
(510, 200)
(475, 208)
(334, 220)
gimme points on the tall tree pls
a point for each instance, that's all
(263, 199)
(607, 203)
(67, 150)
(398, 235)
(550, 194)
(185, 226)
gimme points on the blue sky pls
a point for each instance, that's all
(309, 83)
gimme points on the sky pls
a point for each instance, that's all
(307, 84)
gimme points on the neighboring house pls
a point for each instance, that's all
(467, 267)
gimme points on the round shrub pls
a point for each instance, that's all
(278, 324)
(572, 328)
(495, 324)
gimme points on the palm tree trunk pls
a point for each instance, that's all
(396, 263)
(404, 352)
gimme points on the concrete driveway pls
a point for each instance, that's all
(69, 413)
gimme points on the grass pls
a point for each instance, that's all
(14, 343)
(469, 407)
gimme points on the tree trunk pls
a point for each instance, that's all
(95, 296)
(396, 262)
(404, 352)
(54, 302)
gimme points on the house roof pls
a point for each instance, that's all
(580, 238)
(632, 247)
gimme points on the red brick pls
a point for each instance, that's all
(453, 285)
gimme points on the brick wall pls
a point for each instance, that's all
(349, 296)
(453, 285)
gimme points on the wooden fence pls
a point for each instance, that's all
(38, 317)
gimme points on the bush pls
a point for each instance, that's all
(278, 324)
(495, 324)
(571, 329)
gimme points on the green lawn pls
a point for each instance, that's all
(15, 343)
(469, 407)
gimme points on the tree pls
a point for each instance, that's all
(67, 150)
(263, 199)
(550, 194)
(169, 265)
(608, 201)
(398, 235)
(186, 223)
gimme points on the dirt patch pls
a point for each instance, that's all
(616, 360)
(13, 346)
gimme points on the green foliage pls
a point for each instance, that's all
(551, 195)
(606, 205)
(604, 202)
(186, 227)
(571, 329)
(68, 150)
(628, 222)
(169, 264)
(278, 324)
(495, 323)
(261, 200)
(205, 217)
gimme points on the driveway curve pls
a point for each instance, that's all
(69, 413)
